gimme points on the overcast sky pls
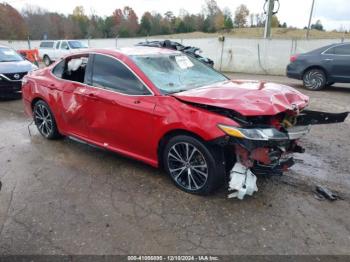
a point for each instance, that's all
(334, 14)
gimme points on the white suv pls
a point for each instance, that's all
(50, 51)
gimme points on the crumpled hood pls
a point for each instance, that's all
(249, 98)
(16, 67)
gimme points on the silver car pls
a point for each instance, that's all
(12, 69)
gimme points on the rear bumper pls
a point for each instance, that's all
(293, 72)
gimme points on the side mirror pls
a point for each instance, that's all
(67, 48)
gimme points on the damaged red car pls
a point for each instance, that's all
(170, 110)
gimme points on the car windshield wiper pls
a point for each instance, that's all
(175, 91)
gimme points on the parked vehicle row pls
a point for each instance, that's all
(169, 110)
(13, 67)
(321, 67)
(50, 51)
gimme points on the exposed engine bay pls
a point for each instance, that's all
(264, 145)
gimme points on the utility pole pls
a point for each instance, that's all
(310, 18)
(269, 14)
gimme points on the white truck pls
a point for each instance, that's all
(51, 50)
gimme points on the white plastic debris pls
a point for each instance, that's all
(242, 182)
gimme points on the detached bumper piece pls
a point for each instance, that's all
(308, 117)
(259, 161)
(242, 182)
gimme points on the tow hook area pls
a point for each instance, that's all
(258, 161)
(242, 181)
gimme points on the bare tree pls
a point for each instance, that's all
(241, 14)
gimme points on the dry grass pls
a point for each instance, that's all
(279, 33)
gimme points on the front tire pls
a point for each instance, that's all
(193, 166)
(314, 79)
(45, 121)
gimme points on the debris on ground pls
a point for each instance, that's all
(242, 182)
(322, 193)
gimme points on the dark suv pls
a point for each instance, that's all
(322, 67)
(12, 69)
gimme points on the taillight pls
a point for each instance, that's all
(293, 58)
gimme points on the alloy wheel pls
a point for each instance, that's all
(187, 166)
(43, 120)
(314, 80)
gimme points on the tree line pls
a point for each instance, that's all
(37, 23)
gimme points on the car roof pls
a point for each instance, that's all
(136, 51)
(324, 48)
(146, 50)
(60, 40)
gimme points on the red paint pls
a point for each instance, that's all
(135, 125)
(261, 154)
(243, 155)
(247, 97)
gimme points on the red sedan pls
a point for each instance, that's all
(170, 110)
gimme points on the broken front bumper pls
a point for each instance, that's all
(266, 150)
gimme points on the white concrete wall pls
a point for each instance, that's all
(238, 55)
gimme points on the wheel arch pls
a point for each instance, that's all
(39, 98)
(168, 135)
(35, 100)
(316, 67)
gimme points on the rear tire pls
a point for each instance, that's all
(314, 79)
(45, 121)
(194, 166)
(47, 61)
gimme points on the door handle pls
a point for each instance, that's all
(137, 102)
(328, 59)
(92, 96)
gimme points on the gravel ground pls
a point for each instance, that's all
(64, 197)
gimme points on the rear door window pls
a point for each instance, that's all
(342, 50)
(72, 68)
(109, 73)
(58, 44)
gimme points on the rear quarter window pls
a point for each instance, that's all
(342, 50)
(330, 51)
(46, 44)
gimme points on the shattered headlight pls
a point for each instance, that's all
(263, 134)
